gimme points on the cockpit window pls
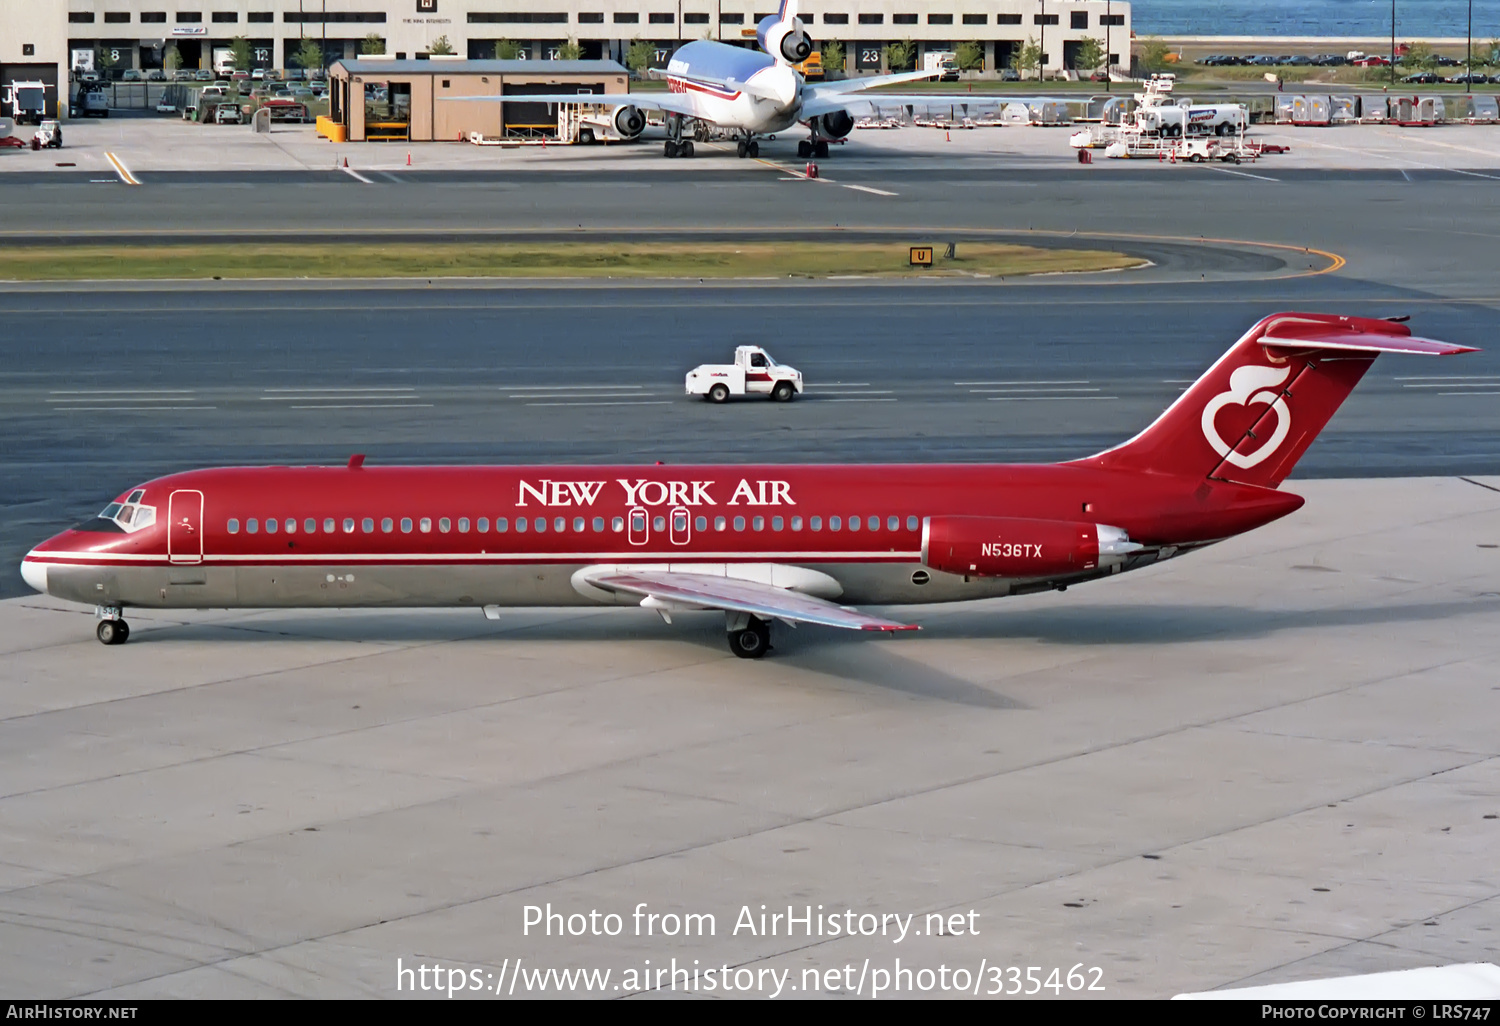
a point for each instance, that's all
(129, 516)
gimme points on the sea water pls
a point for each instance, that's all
(1365, 18)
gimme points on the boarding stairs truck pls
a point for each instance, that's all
(753, 372)
(1157, 113)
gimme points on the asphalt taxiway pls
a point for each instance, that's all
(1272, 760)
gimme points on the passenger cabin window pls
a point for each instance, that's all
(700, 524)
(598, 525)
(271, 525)
(425, 525)
(617, 524)
(310, 525)
(522, 523)
(540, 523)
(502, 525)
(834, 523)
(463, 525)
(560, 524)
(387, 525)
(659, 524)
(367, 525)
(739, 523)
(911, 523)
(796, 523)
(348, 525)
(720, 523)
(291, 525)
(406, 525)
(233, 525)
(816, 523)
(854, 523)
(252, 526)
(444, 525)
(578, 524)
(329, 526)
(776, 523)
(482, 525)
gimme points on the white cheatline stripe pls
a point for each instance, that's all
(614, 555)
(1469, 393)
(121, 169)
(356, 175)
(1242, 174)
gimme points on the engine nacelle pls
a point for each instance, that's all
(1021, 547)
(629, 122)
(786, 40)
(834, 125)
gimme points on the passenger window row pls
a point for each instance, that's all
(481, 525)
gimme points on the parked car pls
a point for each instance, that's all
(1329, 60)
(228, 114)
(1372, 62)
(1299, 61)
(1009, 75)
(203, 75)
(1449, 62)
(156, 75)
(1473, 79)
(1423, 78)
(131, 75)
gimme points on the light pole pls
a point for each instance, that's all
(1108, 25)
(1469, 51)
(1041, 64)
(1393, 42)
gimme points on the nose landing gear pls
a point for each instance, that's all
(748, 147)
(112, 629)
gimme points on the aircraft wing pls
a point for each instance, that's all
(701, 591)
(818, 90)
(865, 102)
(669, 102)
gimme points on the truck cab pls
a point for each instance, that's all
(27, 101)
(753, 372)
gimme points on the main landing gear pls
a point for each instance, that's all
(112, 629)
(812, 148)
(747, 147)
(749, 636)
(675, 145)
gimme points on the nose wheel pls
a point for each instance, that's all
(752, 641)
(748, 149)
(113, 632)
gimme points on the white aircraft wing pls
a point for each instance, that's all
(816, 91)
(702, 591)
(865, 102)
(670, 102)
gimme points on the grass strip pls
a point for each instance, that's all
(540, 260)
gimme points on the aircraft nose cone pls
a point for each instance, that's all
(34, 574)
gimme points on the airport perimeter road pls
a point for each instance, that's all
(1269, 761)
(131, 385)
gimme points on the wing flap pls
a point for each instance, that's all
(737, 596)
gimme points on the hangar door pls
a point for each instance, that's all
(538, 119)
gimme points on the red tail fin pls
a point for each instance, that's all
(1253, 414)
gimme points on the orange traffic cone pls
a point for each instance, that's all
(947, 136)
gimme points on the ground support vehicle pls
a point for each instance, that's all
(49, 136)
(26, 102)
(944, 61)
(753, 372)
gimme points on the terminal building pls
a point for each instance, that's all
(46, 38)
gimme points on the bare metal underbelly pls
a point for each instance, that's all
(397, 585)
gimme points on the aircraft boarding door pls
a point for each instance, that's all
(638, 522)
(185, 527)
(681, 534)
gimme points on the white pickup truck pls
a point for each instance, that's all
(753, 372)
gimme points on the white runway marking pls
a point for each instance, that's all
(562, 388)
(370, 406)
(657, 402)
(866, 188)
(136, 409)
(1043, 398)
(859, 400)
(1242, 174)
(1071, 388)
(356, 175)
(121, 391)
(1021, 382)
(577, 395)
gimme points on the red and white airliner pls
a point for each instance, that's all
(760, 543)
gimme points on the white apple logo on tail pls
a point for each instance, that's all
(1243, 384)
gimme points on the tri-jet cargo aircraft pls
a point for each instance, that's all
(799, 544)
(749, 93)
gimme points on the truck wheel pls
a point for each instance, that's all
(586, 137)
(783, 392)
(719, 393)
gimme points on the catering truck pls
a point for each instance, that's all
(945, 61)
(26, 102)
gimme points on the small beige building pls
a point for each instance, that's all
(377, 98)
